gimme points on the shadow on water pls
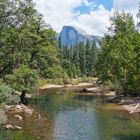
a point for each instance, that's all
(127, 137)
(84, 97)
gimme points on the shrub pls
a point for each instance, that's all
(5, 91)
(23, 78)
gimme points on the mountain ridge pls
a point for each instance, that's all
(71, 35)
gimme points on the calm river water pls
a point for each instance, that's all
(74, 117)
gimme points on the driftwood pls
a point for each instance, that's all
(90, 90)
(135, 108)
(132, 108)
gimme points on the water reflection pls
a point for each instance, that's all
(73, 117)
(79, 118)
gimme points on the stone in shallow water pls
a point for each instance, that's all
(18, 117)
(18, 127)
(9, 126)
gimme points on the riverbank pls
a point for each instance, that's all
(49, 86)
(37, 120)
(84, 89)
(131, 105)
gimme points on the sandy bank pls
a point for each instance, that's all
(48, 86)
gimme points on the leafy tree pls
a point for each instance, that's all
(23, 79)
(118, 56)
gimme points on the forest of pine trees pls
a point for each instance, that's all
(79, 60)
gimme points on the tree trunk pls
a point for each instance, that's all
(23, 99)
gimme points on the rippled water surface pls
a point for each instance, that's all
(73, 117)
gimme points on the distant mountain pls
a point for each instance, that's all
(73, 35)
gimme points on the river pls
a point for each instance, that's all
(74, 117)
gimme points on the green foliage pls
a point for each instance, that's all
(12, 99)
(58, 81)
(54, 72)
(23, 78)
(27, 46)
(79, 60)
(118, 58)
(5, 92)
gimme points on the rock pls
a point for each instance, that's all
(115, 99)
(84, 90)
(18, 117)
(18, 108)
(90, 90)
(28, 111)
(127, 102)
(111, 93)
(39, 116)
(3, 117)
(18, 127)
(9, 126)
(29, 96)
(71, 35)
(7, 107)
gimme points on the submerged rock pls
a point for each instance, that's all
(9, 126)
(115, 99)
(18, 127)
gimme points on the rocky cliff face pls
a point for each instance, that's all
(72, 35)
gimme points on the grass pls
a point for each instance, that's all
(62, 81)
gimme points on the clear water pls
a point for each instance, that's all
(73, 117)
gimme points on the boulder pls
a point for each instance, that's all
(18, 117)
(28, 111)
(115, 99)
(9, 126)
(84, 90)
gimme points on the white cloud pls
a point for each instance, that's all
(125, 4)
(58, 12)
(96, 22)
(61, 12)
(130, 6)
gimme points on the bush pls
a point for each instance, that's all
(74, 82)
(12, 99)
(23, 79)
(43, 82)
(58, 81)
(5, 91)
(86, 79)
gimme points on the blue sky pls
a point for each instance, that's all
(108, 4)
(90, 15)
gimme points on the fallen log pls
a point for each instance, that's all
(135, 109)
